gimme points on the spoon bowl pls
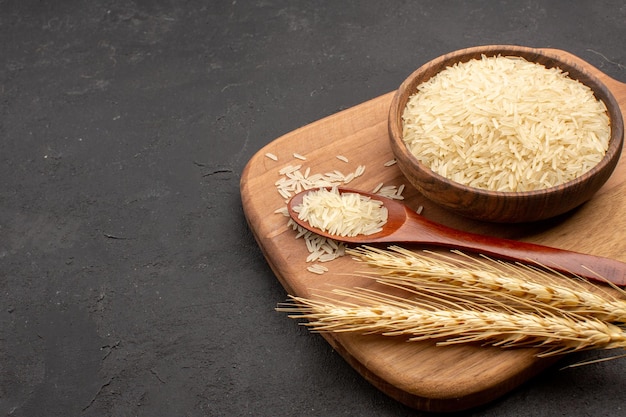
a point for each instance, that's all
(404, 225)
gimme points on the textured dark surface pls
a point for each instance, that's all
(130, 283)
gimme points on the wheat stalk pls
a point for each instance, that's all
(379, 313)
(519, 283)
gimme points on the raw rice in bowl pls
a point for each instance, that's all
(505, 133)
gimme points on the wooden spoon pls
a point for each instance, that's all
(406, 226)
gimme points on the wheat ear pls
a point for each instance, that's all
(514, 281)
(379, 313)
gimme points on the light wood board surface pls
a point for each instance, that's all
(420, 375)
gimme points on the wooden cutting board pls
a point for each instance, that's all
(420, 375)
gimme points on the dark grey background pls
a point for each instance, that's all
(130, 283)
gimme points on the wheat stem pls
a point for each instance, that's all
(380, 313)
(401, 267)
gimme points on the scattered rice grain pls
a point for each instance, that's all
(289, 169)
(317, 269)
(271, 156)
(377, 188)
(348, 178)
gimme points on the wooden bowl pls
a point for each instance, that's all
(495, 206)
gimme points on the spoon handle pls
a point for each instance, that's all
(592, 267)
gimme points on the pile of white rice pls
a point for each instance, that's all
(342, 214)
(296, 178)
(506, 124)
